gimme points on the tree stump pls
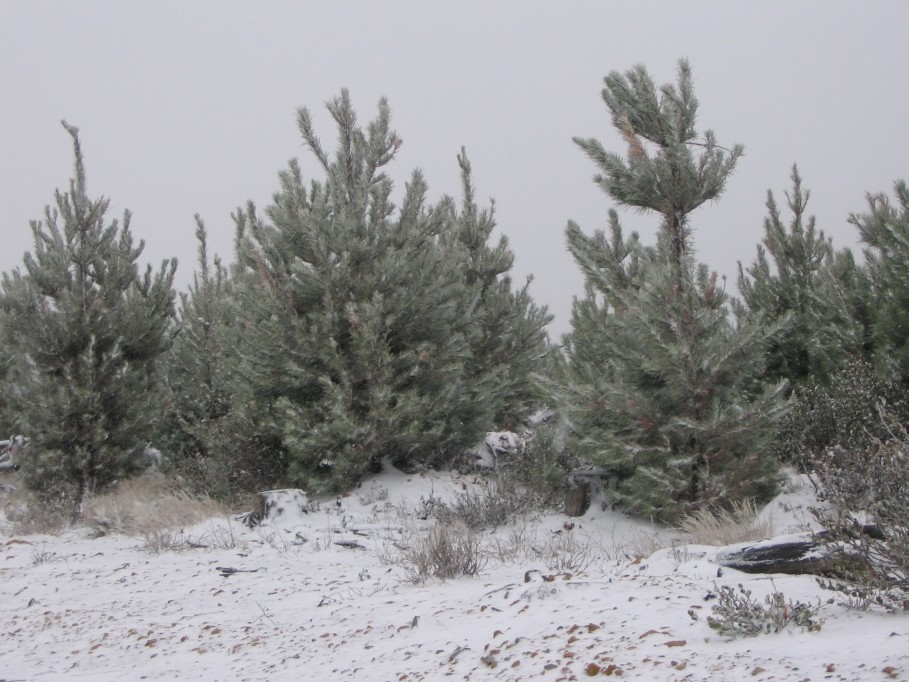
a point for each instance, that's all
(287, 505)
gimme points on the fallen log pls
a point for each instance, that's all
(806, 553)
(792, 554)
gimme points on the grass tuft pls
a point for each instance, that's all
(723, 527)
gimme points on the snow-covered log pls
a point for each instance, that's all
(498, 447)
(10, 449)
(791, 554)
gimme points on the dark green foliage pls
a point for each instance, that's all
(369, 331)
(797, 277)
(664, 395)
(663, 389)
(885, 231)
(87, 331)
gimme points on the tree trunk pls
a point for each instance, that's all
(577, 499)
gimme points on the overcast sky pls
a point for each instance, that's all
(189, 107)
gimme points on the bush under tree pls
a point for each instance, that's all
(845, 414)
(87, 331)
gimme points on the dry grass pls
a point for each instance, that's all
(159, 541)
(42, 556)
(726, 527)
(145, 506)
(565, 552)
(448, 550)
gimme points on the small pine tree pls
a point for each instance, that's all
(885, 231)
(8, 423)
(87, 330)
(205, 437)
(363, 323)
(198, 366)
(508, 339)
(662, 388)
(810, 286)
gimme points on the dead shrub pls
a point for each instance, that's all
(42, 556)
(491, 505)
(221, 537)
(722, 527)
(866, 496)
(565, 553)
(448, 550)
(159, 541)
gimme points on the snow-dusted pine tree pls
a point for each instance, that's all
(205, 437)
(8, 419)
(87, 330)
(367, 328)
(797, 276)
(885, 231)
(508, 339)
(663, 389)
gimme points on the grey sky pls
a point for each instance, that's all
(189, 107)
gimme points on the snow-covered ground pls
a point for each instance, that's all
(300, 606)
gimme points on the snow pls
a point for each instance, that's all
(300, 606)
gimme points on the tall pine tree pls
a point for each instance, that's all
(663, 389)
(87, 330)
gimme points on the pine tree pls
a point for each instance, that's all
(662, 388)
(662, 171)
(885, 231)
(8, 418)
(87, 330)
(508, 339)
(363, 323)
(205, 437)
(816, 290)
